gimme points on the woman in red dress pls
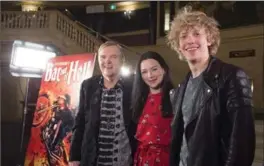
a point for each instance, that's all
(152, 110)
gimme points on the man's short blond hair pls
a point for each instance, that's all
(113, 43)
(187, 18)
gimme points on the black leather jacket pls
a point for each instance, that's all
(86, 127)
(221, 133)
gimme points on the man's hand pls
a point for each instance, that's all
(74, 163)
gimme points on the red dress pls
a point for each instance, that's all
(153, 134)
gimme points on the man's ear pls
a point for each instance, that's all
(209, 40)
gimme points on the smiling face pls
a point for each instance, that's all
(110, 61)
(193, 43)
(152, 73)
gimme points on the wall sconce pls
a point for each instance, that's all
(29, 8)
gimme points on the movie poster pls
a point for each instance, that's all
(56, 108)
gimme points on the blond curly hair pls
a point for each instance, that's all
(187, 18)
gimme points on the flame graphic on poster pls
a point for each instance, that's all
(57, 103)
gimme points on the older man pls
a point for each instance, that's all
(101, 134)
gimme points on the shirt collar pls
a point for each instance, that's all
(119, 84)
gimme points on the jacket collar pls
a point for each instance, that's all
(210, 77)
(211, 73)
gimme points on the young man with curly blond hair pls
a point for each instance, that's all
(213, 123)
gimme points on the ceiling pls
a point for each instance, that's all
(16, 5)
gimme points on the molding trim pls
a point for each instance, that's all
(139, 32)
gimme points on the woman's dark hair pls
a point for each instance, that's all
(141, 89)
